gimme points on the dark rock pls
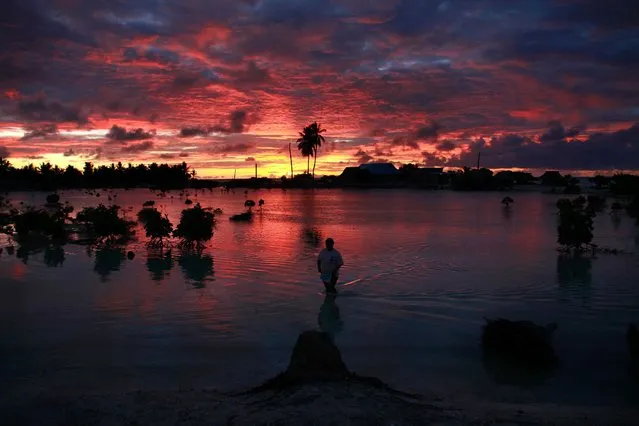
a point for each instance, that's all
(53, 199)
(521, 342)
(130, 255)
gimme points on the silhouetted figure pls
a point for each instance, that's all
(329, 262)
(329, 320)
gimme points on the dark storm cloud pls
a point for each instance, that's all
(490, 67)
(40, 110)
(121, 134)
(363, 157)
(137, 148)
(405, 141)
(446, 146)
(238, 148)
(557, 132)
(189, 132)
(4, 151)
(429, 131)
(39, 131)
(601, 150)
(239, 121)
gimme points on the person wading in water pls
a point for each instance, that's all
(328, 263)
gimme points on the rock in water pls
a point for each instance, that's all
(522, 342)
(130, 255)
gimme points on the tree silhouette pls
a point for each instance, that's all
(309, 142)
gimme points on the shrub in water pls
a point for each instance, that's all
(37, 221)
(105, 222)
(575, 224)
(156, 226)
(195, 227)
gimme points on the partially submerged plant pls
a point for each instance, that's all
(575, 224)
(195, 227)
(156, 226)
(105, 223)
(32, 222)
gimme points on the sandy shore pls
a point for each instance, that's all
(343, 403)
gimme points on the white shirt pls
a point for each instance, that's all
(329, 261)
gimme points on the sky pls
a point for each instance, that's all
(222, 85)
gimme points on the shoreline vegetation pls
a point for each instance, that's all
(165, 177)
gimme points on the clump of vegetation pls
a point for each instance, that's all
(33, 222)
(195, 227)
(149, 203)
(575, 224)
(156, 226)
(105, 223)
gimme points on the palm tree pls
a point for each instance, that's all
(309, 142)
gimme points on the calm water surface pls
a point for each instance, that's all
(422, 270)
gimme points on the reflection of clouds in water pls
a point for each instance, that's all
(159, 264)
(197, 267)
(329, 319)
(107, 260)
(312, 236)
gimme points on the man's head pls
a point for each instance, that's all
(330, 243)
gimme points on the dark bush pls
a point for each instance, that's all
(195, 227)
(37, 221)
(575, 224)
(156, 226)
(105, 222)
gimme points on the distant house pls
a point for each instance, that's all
(380, 169)
(370, 175)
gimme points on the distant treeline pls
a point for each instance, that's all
(485, 179)
(47, 177)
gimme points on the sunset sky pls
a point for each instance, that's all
(220, 84)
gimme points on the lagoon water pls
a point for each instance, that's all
(422, 270)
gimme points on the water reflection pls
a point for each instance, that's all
(159, 264)
(107, 260)
(312, 236)
(328, 319)
(616, 221)
(196, 267)
(505, 372)
(574, 269)
(506, 212)
(574, 275)
(54, 256)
